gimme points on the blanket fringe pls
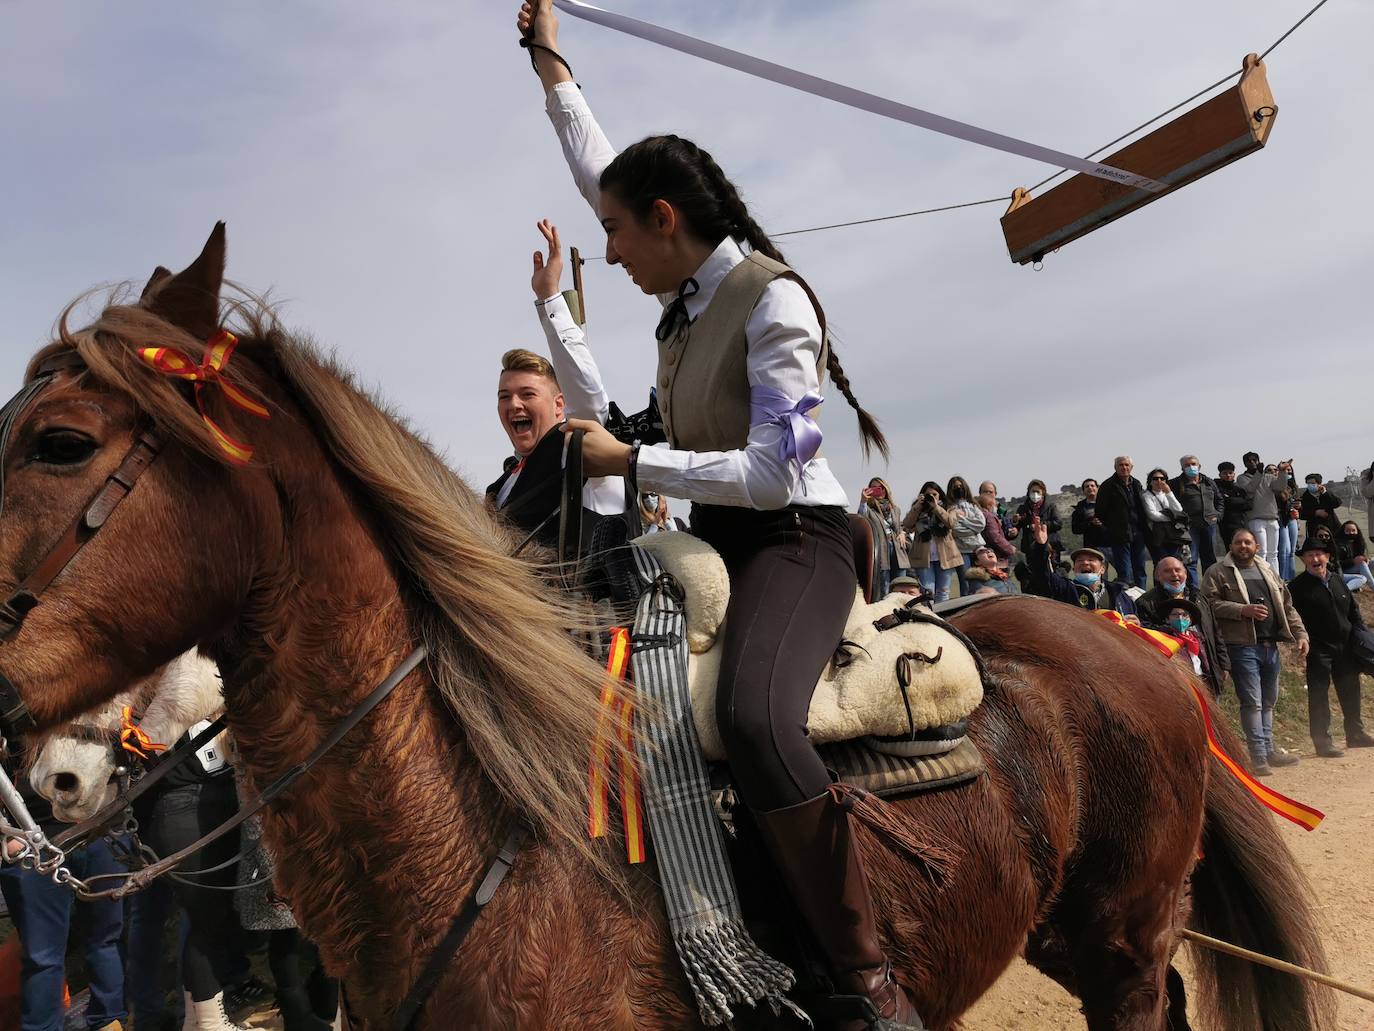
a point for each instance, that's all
(726, 967)
(934, 859)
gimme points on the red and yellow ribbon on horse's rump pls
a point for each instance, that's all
(1290, 809)
(617, 721)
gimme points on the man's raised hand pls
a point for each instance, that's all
(548, 273)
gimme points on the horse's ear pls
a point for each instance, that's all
(159, 274)
(190, 299)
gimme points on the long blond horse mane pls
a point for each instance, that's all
(500, 639)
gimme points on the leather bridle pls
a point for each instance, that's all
(16, 720)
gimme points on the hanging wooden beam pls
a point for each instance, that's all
(1198, 142)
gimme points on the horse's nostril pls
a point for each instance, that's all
(65, 782)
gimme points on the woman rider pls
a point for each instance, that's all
(741, 348)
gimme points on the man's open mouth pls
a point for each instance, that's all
(521, 425)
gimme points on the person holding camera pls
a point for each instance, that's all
(1267, 492)
(933, 554)
(875, 505)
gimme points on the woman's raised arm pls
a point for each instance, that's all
(538, 25)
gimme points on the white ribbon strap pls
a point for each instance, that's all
(819, 87)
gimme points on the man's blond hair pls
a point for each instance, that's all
(521, 360)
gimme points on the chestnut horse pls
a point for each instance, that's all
(309, 572)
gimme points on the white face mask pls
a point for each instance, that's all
(1036, 497)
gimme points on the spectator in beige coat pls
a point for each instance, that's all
(933, 555)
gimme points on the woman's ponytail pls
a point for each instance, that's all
(686, 176)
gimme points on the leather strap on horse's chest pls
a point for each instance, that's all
(495, 872)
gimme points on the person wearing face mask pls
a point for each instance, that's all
(875, 505)
(1038, 508)
(1235, 510)
(1330, 614)
(1354, 581)
(1202, 502)
(932, 553)
(1183, 621)
(742, 354)
(1353, 552)
(1253, 612)
(1318, 505)
(1288, 522)
(1087, 588)
(1155, 605)
(968, 522)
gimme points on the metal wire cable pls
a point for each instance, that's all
(1048, 179)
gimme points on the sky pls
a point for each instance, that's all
(381, 168)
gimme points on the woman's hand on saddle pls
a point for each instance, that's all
(548, 273)
(602, 454)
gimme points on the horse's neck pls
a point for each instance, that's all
(376, 846)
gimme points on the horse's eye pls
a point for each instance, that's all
(63, 447)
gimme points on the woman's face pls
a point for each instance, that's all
(985, 558)
(1350, 529)
(642, 247)
(1090, 490)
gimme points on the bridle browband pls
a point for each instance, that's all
(16, 720)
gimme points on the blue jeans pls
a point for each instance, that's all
(1202, 553)
(1129, 560)
(936, 581)
(1255, 669)
(42, 913)
(1288, 547)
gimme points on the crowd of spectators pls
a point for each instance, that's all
(1223, 552)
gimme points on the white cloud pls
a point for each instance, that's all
(381, 167)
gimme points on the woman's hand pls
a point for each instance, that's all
(602, 454)
(537, 21)
(548, 274)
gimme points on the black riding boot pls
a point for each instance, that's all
(820, 864)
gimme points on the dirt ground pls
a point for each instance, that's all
(1337, 860)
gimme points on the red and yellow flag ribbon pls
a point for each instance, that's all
(171, 362)
(132, 738)
(1290, 809)
(616, 723)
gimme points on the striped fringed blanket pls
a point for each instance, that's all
(723, 963)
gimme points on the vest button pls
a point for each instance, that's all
(672, 357)
(663, 382)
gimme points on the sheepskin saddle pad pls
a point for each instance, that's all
(901, 681)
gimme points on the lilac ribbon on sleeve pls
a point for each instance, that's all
(801, 437)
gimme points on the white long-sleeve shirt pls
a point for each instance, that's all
(584, 395)
(1161, 507)
(784, 344)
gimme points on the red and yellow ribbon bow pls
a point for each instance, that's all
(1290, 809)
(132, 738)
(171, 362)
(617, 718)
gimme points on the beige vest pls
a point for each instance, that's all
(703, 381)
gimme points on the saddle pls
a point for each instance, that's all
(902, 681)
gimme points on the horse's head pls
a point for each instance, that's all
(105, 584)
(75, 766)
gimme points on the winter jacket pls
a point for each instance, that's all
(1081, 521)
(1327, 502)
(1235, 511)
(996, 536)
(922, 528)
(884, 534)
(967, 525)
(1199, 498)
(1048, 583)
(1266, 491)
(1328, 610)
(1120, 506)
(1223, 591)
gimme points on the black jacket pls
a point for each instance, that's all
(538, 493)
(1121, 508)
(1048, 583)
(1328, 610)
(1235, 511)
(1081, 521)
(1328, 502)
(1153, 604)
(1206, 489)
